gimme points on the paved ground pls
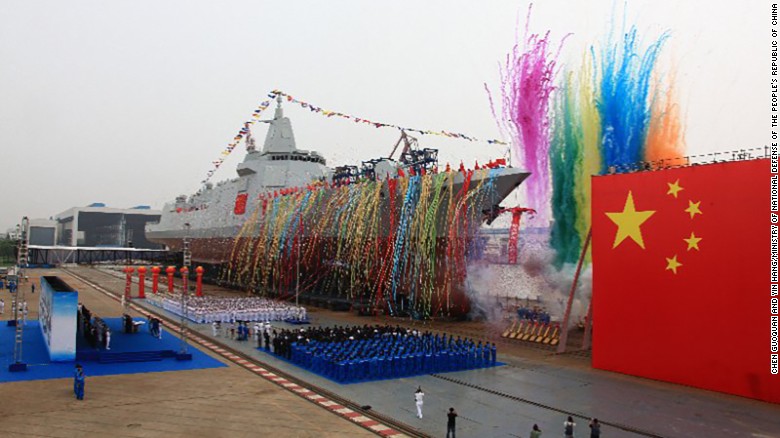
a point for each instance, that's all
(536, 387)
(224, 402)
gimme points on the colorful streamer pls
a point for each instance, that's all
(527, 84)
(624, 100)
(665, 143)
(605, 116)
(565, 155)
(399, 242)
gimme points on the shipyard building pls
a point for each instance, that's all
(42, 232)
(100, 226)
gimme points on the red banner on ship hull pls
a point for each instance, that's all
(240, 206)
(680, 277)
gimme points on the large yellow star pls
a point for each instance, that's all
(693, 208)
(693, 242)
(674, 188)
(628, 222)
(672, 264)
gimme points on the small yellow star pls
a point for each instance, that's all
(693, 208)
(629, 221)
(674, 188)
(672, 264)
(693, 242)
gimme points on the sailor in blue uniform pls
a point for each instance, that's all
(78, 382)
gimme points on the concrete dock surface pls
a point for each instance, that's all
(535, 387)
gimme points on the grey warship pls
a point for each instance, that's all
(212, 218)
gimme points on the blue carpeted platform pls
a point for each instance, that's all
(388, 376)
(142, 343)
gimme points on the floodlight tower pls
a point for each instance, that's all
(185, 272)
(23, 252)
(21, 263)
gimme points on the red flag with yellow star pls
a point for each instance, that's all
(681, 276)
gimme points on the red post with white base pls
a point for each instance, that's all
(170, 270)
(199, 281)
(155, 278)
(141, 282)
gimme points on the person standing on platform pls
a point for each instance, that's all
(2, 306)
(568, 427)
(78, 382)
(418, 400)
(108, 339)
(156, 328)
(536, 432)
(595, 428)
(24, 314)
(267, 339)
(451, 416)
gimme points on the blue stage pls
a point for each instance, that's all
(129, 354)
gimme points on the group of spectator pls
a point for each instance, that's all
(568, 428)
(94, 329)
(206, 310)
(535, 314)
(362, 353)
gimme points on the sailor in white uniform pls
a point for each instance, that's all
(418, 401)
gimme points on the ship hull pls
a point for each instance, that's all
(211, 237)
(404, 252)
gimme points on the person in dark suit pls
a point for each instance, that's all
(451, 416)
(595, 428)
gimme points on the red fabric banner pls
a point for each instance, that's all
(680, 277)
(240, 207)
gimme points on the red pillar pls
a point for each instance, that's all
(141, 282)
(155, 278)
(170, 270)
(128, 280)
(199, 288)
(185, 276)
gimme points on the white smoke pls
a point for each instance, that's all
(496, 290)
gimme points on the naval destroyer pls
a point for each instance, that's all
(212, 218)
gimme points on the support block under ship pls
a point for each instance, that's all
(223, 222)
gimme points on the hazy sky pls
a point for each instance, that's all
(128, 102)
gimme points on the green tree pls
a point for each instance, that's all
(7, 251)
